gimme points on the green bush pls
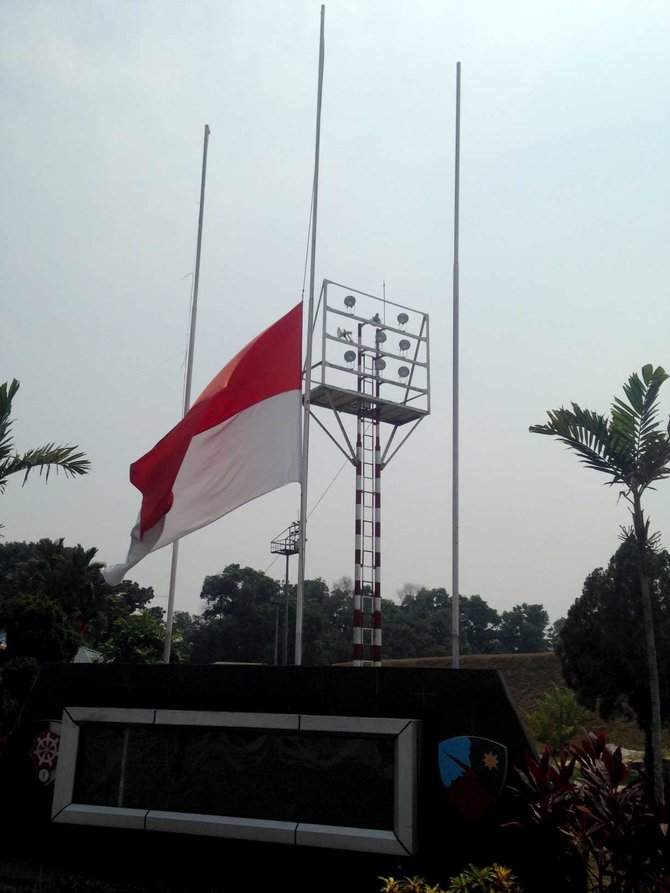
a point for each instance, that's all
(556, 717)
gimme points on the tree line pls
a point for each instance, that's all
(54, 600)
(245, 610)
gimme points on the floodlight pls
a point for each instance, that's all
(380, 336)
(404, 345)
(403, 372)
(380, 363)
(349, 356)
(403, 319)
(350, 302)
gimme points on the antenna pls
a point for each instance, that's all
(308, 360)
(455, 620)
(167, 643)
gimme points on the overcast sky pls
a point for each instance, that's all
(564, 261)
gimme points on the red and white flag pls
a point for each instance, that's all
(241, 438)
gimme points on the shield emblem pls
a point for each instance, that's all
(473, 771)
(44, 751)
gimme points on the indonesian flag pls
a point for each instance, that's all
(241, 438)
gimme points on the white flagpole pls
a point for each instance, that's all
(308, 366)
(455, 614)
(187, 392)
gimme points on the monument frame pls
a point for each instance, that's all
(397, 840)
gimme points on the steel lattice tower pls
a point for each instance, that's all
(377, 400)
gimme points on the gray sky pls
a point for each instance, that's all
(564, 258)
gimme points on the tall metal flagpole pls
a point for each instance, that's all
(308, 365)
(455, 614)
(187, 392)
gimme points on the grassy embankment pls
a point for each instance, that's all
(528, 677)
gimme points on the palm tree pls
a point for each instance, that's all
(633, 450)
(46, 458)
(66, 575)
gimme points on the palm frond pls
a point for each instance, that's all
(6, 441)
(631, 447)
(653, 378)
(45, 459)
(653, 463)
(7, 393)
(623, 415)
(642, 411)
(588, 434)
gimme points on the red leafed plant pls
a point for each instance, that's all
(587, 794)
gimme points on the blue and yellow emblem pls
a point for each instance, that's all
(473, 771)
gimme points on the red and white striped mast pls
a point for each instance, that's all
(367, 540)
(358, 624)
(377, 515)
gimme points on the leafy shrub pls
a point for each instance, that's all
(556, 717)
(491, 879)
(414, 884)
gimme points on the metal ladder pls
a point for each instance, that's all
(367, 627)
